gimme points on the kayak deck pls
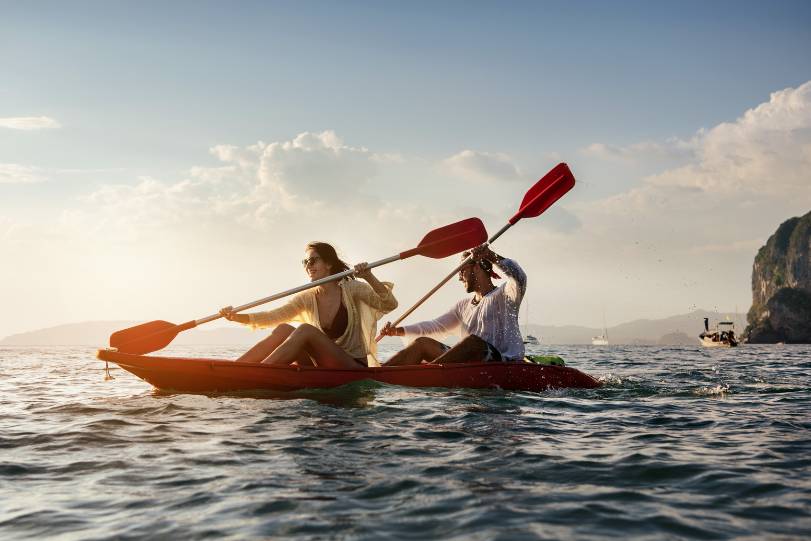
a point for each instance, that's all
(218, 375)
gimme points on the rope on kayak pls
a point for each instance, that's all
(107, 375)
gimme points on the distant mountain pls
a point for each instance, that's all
(97, 333)
(643, 331)
(88, 333)
(677, 339)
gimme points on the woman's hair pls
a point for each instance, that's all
(328, 254)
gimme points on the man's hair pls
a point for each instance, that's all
(485, 264)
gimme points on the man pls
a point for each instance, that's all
(487, 322)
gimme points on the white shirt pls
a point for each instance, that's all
(494, 318)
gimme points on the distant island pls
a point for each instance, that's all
(676, 330)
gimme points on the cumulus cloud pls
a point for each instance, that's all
(312, 176)
(316, 167)
(767, 151)
(700, 223)
(761, 159)
(482, 166)
(12, 173)
(255, 186)
(29, 123)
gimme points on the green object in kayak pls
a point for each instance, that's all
(552, 360)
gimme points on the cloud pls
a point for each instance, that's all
(482, 166)
(12, 173)
(316, 167)
(765, 152)
(645, 151)
(690, 232)
(29, 123)
(763, 159)
(257, 186)
(560, 220)
(314, 177)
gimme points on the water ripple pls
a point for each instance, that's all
(678, 443)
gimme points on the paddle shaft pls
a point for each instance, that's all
(448, 277)
(438, 243)
(325, 280)
(551, 187)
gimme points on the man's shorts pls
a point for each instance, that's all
(493, 355)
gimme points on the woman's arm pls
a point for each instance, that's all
(269, 318)
(378, 295)
(228, 313)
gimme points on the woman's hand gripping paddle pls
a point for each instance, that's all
(540, 197)
(442, 242)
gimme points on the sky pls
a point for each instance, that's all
(161, 160)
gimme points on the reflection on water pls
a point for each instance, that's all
(354, 395)
(678, 443)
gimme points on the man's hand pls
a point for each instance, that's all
(390, 330)
(483, 251)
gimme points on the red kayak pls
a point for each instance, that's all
(218, 375)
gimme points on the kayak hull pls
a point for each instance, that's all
(218, 375)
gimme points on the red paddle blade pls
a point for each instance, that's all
(449, 240)
(545, 192)
(145, 338)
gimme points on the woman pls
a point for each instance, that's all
(339, 319)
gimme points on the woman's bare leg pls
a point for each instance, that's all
(261, 350)
(421, 349)
(308, 341)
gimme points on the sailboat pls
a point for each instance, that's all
(528, 339)
(601, 340)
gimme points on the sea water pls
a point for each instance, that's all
(679, 443)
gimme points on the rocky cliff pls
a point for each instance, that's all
(781, 286)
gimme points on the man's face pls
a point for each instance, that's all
(467, 275)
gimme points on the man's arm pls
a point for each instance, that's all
(516, 277)
(442, 325)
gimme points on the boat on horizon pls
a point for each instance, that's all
(602, 339)
(527, 338)
(722, 336)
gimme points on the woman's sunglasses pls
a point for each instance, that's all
(306, 262)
